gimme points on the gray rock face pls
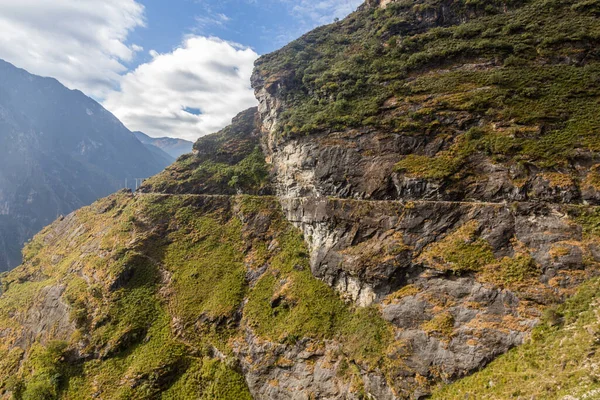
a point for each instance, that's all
(370, 249)
(298, 372)
(373, 231)
(361, 164)
(479, 336)
(304, 371)
(48, 318)
(448, 325)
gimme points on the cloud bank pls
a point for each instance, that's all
(81, 43)
(193, 91)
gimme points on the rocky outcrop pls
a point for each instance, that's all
(371, 249)
(48, 319)
(372, 252)
(304, 371)
(225, 163)
(362, 164)
(300, 372)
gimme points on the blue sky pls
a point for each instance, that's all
(178, 68)
(264, 25)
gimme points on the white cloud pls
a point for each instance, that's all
(82, 43)
(205, 74)
(320, 12)
(211, 19)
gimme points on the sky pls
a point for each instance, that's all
(178, 68)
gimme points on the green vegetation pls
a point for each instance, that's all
(517, 269)
(460, 251)
(227, 162)
(527, 74)
(588, 218)
(123, 320)
(464, 251)
(205, 258)
(46, 370)
(209, 379)
(440, 167)
(441, 324)
(166, 280)
(561, 358)
(405, 291)
(191, 174)
(289, 304)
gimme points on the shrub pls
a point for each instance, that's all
(460, 251)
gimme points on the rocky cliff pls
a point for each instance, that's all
(414, 199)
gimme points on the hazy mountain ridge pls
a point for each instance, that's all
(60, 150)
(172, 146)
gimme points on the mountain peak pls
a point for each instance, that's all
(174, 147)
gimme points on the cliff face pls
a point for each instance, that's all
(414, 197)
(438, 101)
(441, 115)
(443, 122)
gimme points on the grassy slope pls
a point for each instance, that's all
(561, 359)
(519, 86)
(153, 334)
(227, 162)
(155, 284)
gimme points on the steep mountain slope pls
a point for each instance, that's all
(59, 150)
(561, 360)
(171, 146)
(164, 295)
(450, 100)
(174, 296)
(414, 195)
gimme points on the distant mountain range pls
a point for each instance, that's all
(59, 150)
(173, 147)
